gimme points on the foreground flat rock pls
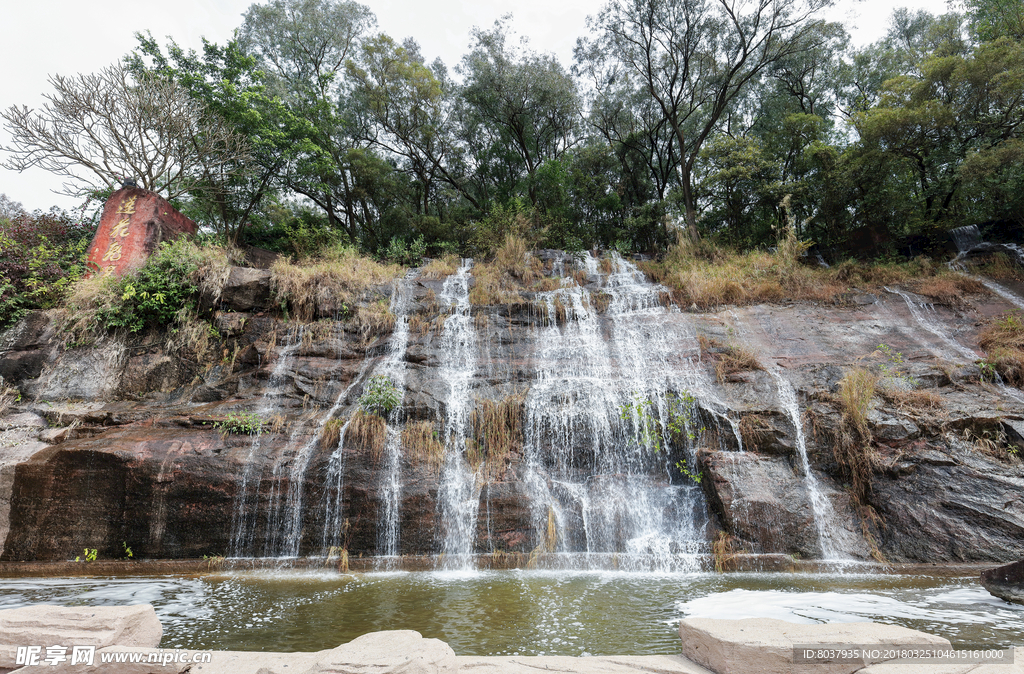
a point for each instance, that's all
(394, 652)
(101, 626)
(612, 664)
(765, 645)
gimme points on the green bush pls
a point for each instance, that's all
(155, 293)
(380, 396)
(41, 256)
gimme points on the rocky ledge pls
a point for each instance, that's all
(117, 444)
(751, 646)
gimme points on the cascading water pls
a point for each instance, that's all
(393, 367)
(597, 437)
(821, 507)
(459, 490)
(924, 322)
(243, 525)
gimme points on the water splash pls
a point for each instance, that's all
(917, 311)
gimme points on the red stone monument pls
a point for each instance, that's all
(134, 223)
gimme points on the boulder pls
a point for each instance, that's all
(1006, 582)
(101, 626)
(766, 645)
(246, 289)
(393, 652)
(612, 664)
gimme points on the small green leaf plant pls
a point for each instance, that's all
(679, 423)
(89, 555)
(380, 396)
(240, 423)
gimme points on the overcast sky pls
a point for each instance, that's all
(43, 37)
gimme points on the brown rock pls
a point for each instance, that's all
(133, 224)
(1006, 582)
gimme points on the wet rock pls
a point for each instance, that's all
(99, 626)
(22, 420)
(230, 323)
(891, 428)
(1006, 582)
(766, 645)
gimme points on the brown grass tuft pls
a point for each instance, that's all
(8, 397)
(329, 285)
(723, 548)
(498, 430)
(330, 433)
(500, 281)
(420, 439)
(441, 268)
(755, 431)
(851, 445)
(1003, 341)
(369, 432)
(728, 359)
(375, 319)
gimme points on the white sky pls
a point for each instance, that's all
(43, 37)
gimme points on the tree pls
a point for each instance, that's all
(303, 46)
(117, 125)
(693, 58)
(226, 82)
(412, 105)
(520, 110)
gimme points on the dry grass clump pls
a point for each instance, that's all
(948, 288)
(724, 550)
(369, 432)
(728, 359)
(328, 285)
(755, 430)
(420, 439)
(497, 430)
(440, 268)
(330, 433)
(374, 319)
(1003, 341)
(734, 278)
(913, 402)
(851, 445)
(1000, 266)
(500, 280)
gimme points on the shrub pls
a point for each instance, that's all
(380, 396)
(41, 256)
(240, 423)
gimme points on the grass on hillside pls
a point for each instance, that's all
(1003, 341)
(706, 276)
(330, 284)
(500, 280)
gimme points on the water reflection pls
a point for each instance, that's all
(524, 612)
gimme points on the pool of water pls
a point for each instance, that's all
(524, 612)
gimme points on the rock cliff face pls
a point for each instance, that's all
(574, 420)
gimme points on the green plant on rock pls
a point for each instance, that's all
(679, 421)
(380, 396)
(892, 369)
(89, 554)
(240, 423)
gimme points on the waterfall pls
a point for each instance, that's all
(924, 322)
(965, 238)
(598, 467)
(821, 508)
(393, 367)
(458, 492)
(243, 525)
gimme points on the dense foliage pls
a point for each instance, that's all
(41, 255)
(677, 117)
